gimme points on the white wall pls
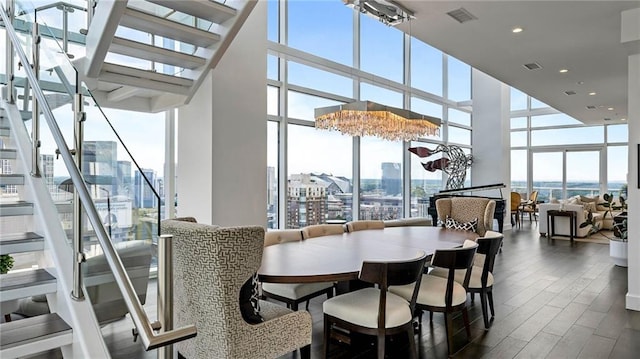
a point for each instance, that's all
(630, 37)
(491, 137)
(222, 135)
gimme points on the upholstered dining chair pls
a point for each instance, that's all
(374, 310)
(318, 230)
(481, 278)
(462, 211)
(437, 294)
(364, 224)
(413, 221)
(516, 202)
(211, 264)
(530, 207)
(292, 293)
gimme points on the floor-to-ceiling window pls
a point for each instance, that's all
(323, 53)
(560, 157)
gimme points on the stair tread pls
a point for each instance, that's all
(15, 204)
(23, 331)
(11, 179)
(208, 10)
(144, 51)
(9, 237)
(24, 279)
(150, 23)
(20, 242)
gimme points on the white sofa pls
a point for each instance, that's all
(582, 206)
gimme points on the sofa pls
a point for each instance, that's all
(582, 205)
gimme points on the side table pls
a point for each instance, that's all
(551, 217)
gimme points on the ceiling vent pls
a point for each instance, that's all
(532, 66)
(607, 119)
(591, 107)
(462, 15)
(570, 92)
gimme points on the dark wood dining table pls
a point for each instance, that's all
(339, 257)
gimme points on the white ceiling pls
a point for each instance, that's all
(582, 36)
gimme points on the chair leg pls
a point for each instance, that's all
(294, 306)
(305, 352)
(381, 343)
(327, 336)
(307, 306)
(430, 317)
(412, 344)
(490, 297)
(448, 325)
(467, 326)
(483, 304)
(473, 297)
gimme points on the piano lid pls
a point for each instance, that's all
(474, 188)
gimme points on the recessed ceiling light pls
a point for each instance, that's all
(623, 119)
(517, 30)
(592, 93)
(610, 108)
(580, 82)
(564, 71)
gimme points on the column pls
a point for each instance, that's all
(491, 136)
(222, 135)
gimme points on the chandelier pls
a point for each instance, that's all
(386, 11)
(366, 118)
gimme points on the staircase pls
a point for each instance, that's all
(30, 226)
(185, 40)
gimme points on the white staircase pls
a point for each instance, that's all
(186, 38)
(31, 229)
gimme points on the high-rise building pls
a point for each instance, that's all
(99, 167)
(46, 162)
(143, 195)
(124, 180)
(272, 198)
(391, 178)
(306, 202)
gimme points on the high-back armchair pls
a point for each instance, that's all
(211, 264)
(466, 209)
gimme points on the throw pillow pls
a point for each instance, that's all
(586, 199)
(589, 206)
(250, 301)
(451, 223)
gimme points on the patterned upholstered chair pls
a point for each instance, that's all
(211, 264)
(292, 293)
(466, 209)
(362, 225)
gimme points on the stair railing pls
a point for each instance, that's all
(140, 319)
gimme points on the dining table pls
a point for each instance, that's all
(339, 257)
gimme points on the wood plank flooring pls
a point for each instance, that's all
(553, 299)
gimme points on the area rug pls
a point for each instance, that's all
(602, 237)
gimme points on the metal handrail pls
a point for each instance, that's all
(140, 319)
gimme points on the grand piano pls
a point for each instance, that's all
(459, 192)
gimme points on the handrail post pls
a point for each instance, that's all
(9, 57)
(79, 258)
(165, 290)
(35, 107)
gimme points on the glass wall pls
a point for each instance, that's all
(568, 158)
(331, 177)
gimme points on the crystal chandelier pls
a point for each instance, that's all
(366, 118)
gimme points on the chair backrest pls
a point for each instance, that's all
(362, 225)
(533, 197)
(516, 198)
(281, 236)
(452, 259)
(489, 245)
(318, 230)
(466, 209)
(388, 273)
(413, 221)
(210, 265)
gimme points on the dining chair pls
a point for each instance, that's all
(464, 211)
(413, 221)
(292, 293)
(481, 278)
(362, 225)
(318, 230)
(516, 202)
(375, 310)
(530, 206)
(437, 294)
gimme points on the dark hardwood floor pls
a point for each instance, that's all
(553, 299)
